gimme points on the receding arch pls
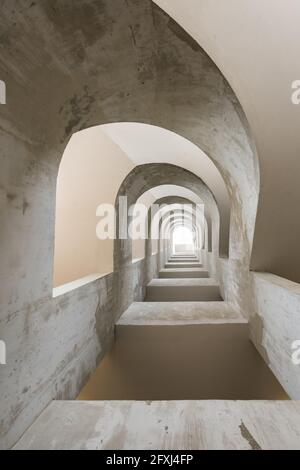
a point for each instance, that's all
(181, 91)
(139, 180)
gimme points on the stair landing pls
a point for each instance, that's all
(179, 313)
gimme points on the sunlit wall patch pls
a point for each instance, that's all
(2, 92)
(2, 353)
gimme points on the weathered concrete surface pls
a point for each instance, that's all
(275, 325)
(53, 347)
(179, 313)
(209, 425)
(188, 290)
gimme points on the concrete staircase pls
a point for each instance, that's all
(183, 281)
(182, 343)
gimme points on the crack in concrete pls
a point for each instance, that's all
(249, 438)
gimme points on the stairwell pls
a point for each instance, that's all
(182, 366)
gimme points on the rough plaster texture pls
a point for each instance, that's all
(177, 425)
(54, 344)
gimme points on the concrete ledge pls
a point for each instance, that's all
(172, 425)
(292, 287)
(275, 327)
(179, 313)
(65, 288)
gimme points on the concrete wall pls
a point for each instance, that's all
(53, 346)
(275, 325)
(272, 306)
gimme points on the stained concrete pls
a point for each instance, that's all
(177, 425)
(70, 336)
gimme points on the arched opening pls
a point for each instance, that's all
(90, 172)
(183, 241)
(94, 163)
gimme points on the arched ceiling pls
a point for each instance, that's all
(166, 191)
(144, 143)
(255, 43)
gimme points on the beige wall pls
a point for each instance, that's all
(255, 43)
(91, 171)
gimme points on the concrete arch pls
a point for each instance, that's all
(173, 200)
(176, 216)
(167, 202)
(146, 143)
(176, 221)
(140, 180)
(111, 72)
(144, 177)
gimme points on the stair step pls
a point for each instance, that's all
(183, 264)
(186, 290)
(183, 256)
(163, 425)
(179, 313)
(183, 273)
